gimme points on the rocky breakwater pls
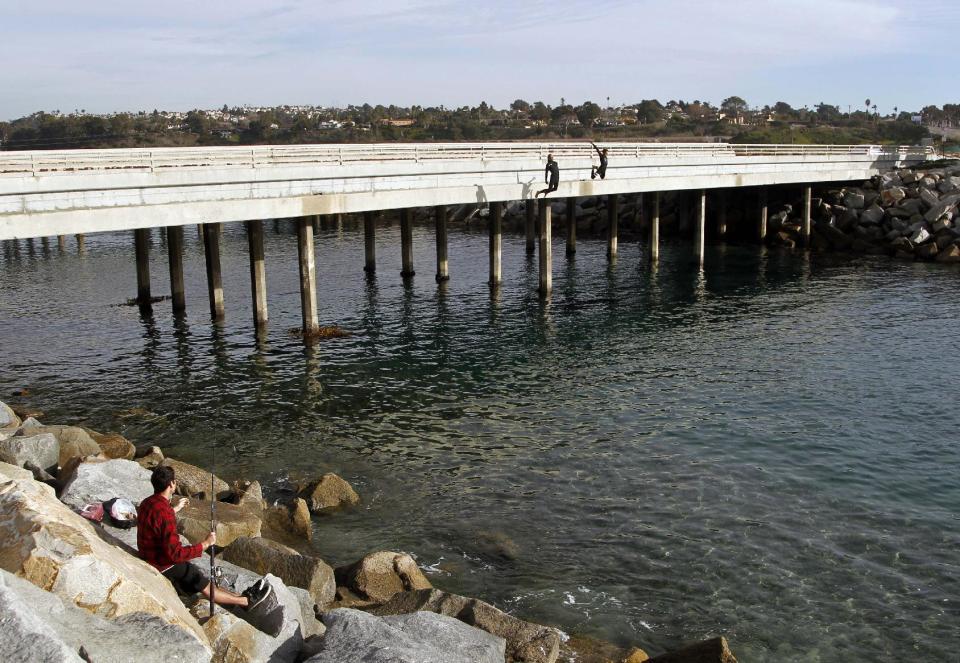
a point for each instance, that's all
(72, 589)
(908, 214)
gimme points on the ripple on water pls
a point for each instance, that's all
(765, 450)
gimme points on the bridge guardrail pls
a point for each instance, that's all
(71, 161)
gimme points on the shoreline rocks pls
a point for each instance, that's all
(65, 580)
(907, 214)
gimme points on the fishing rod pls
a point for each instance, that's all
(213, 521)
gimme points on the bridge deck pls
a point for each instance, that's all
(82, 191)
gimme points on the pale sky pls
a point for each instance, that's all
(112, 55)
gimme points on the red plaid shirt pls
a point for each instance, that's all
(157, 538)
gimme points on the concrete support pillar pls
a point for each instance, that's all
(61, 242)
(807, 205)
(316, 223)
(571, 226)
(81, 243)
(308, 275)
(370, 242)
(175, 260)
(653, 249)
(762, 220)
(443, 268)
(613, 217)
(258, 272)
(211, 250)
(700, 232)
(496, 242)
(406, 243)
(531, 224)
(721, 213)
(546, 253)
(142, 248)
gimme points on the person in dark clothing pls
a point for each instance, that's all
(551, 176)
(600, 170)
(159, 545)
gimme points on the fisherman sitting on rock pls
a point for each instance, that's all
(159, 545)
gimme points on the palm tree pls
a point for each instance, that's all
(867, 104)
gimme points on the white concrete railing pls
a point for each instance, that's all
(51, 162)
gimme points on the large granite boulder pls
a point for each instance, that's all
(74, 442)
(233, 522)
(421, 637)
(265, 556)
(892, 196)
(98, 480)
(195, 482)
(531, 643)
(40, 626)
(235, 641)
(113, 445)
(8, 471)
(42, 450)
(854, 199)
(714, 650)
(380, 575)
(249, 495)
(309, 623)
(238, 636)
(290, 520)
(950, 253)
(149, 457)
(9, 421)
(44, 542)
(328, 493)
(872, 215)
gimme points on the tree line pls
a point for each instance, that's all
(733, 120)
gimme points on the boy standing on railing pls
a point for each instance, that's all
(600, 170)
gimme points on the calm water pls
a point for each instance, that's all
(767, 450)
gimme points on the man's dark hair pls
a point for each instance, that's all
(161, 477)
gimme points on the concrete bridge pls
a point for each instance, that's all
(57, 193)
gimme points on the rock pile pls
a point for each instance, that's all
(910, 214)
(75, 590)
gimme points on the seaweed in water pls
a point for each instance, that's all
(322, 332)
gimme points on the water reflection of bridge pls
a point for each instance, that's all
(58, 193)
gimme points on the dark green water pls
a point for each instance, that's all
(765, 450)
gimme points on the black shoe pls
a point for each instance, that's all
(257, 593)
(593, 174)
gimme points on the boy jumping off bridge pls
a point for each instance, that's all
(551, 175)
